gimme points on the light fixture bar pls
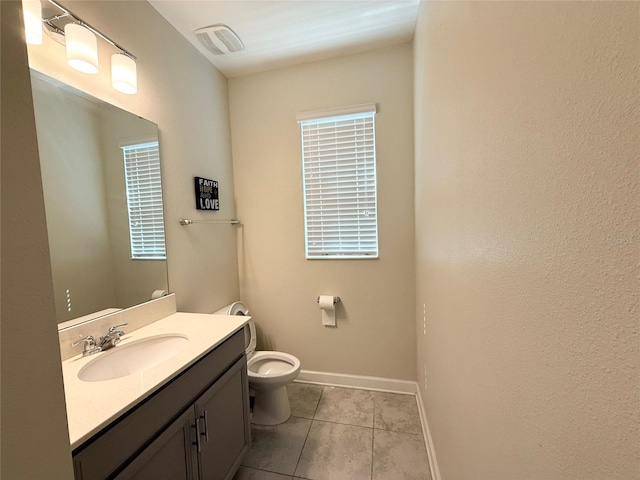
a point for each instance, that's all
(87, 26)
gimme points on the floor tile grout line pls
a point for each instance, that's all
(319, 420)
(307, 436)
(302, 449)
(373, 452)
(318, 404)
(373, 435)
(268, 471)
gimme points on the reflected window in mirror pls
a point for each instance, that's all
(144, 201)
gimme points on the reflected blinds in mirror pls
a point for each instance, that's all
(144, 201)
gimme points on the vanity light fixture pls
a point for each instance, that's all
(81, 43)
(82, 48)
(32, 13)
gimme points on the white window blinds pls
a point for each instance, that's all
(339, 170)
(144, 200)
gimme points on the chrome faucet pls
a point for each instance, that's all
(90, 346)
(112, 338)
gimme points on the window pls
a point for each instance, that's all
(144, 200)
(339, 177)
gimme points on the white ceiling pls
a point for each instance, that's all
(279, 33)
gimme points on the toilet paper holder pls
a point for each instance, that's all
(335, 300)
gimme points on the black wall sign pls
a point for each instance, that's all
(206, 194)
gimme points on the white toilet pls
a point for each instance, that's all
(269, 373)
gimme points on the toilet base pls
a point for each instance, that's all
(271, 407)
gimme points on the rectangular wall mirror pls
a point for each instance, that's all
(103, 200)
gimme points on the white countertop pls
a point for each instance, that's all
(93, 405)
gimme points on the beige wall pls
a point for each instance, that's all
(375, 319)
(35, 442)
(527, 245)
(180, 91)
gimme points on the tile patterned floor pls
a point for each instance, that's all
(340, 434)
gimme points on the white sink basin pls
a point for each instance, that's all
(133, 357)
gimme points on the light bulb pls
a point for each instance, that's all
(123, 73)
(82, 48)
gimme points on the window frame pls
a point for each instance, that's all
(361, 165)
(141, 248)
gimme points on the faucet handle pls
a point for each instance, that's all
(89, 345)
(112, 338)
(88, 341)
(112, 329)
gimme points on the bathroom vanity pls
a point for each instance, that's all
(186, 417)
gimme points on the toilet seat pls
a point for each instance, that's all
(268, 364)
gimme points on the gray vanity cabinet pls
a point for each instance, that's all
(168, 457)
(195, 428)
(224, 434)
(207, 442)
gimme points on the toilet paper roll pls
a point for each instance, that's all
(328, 310)
(158, 294)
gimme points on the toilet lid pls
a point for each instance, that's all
(250, 338)
(239, 308)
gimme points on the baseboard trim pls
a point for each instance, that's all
(382, 385)
(431, 452)
(358, 381)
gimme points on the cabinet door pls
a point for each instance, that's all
(223, 413)
(168, 457)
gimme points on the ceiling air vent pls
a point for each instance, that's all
(219, 39)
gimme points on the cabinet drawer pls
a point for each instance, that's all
(101, 456)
